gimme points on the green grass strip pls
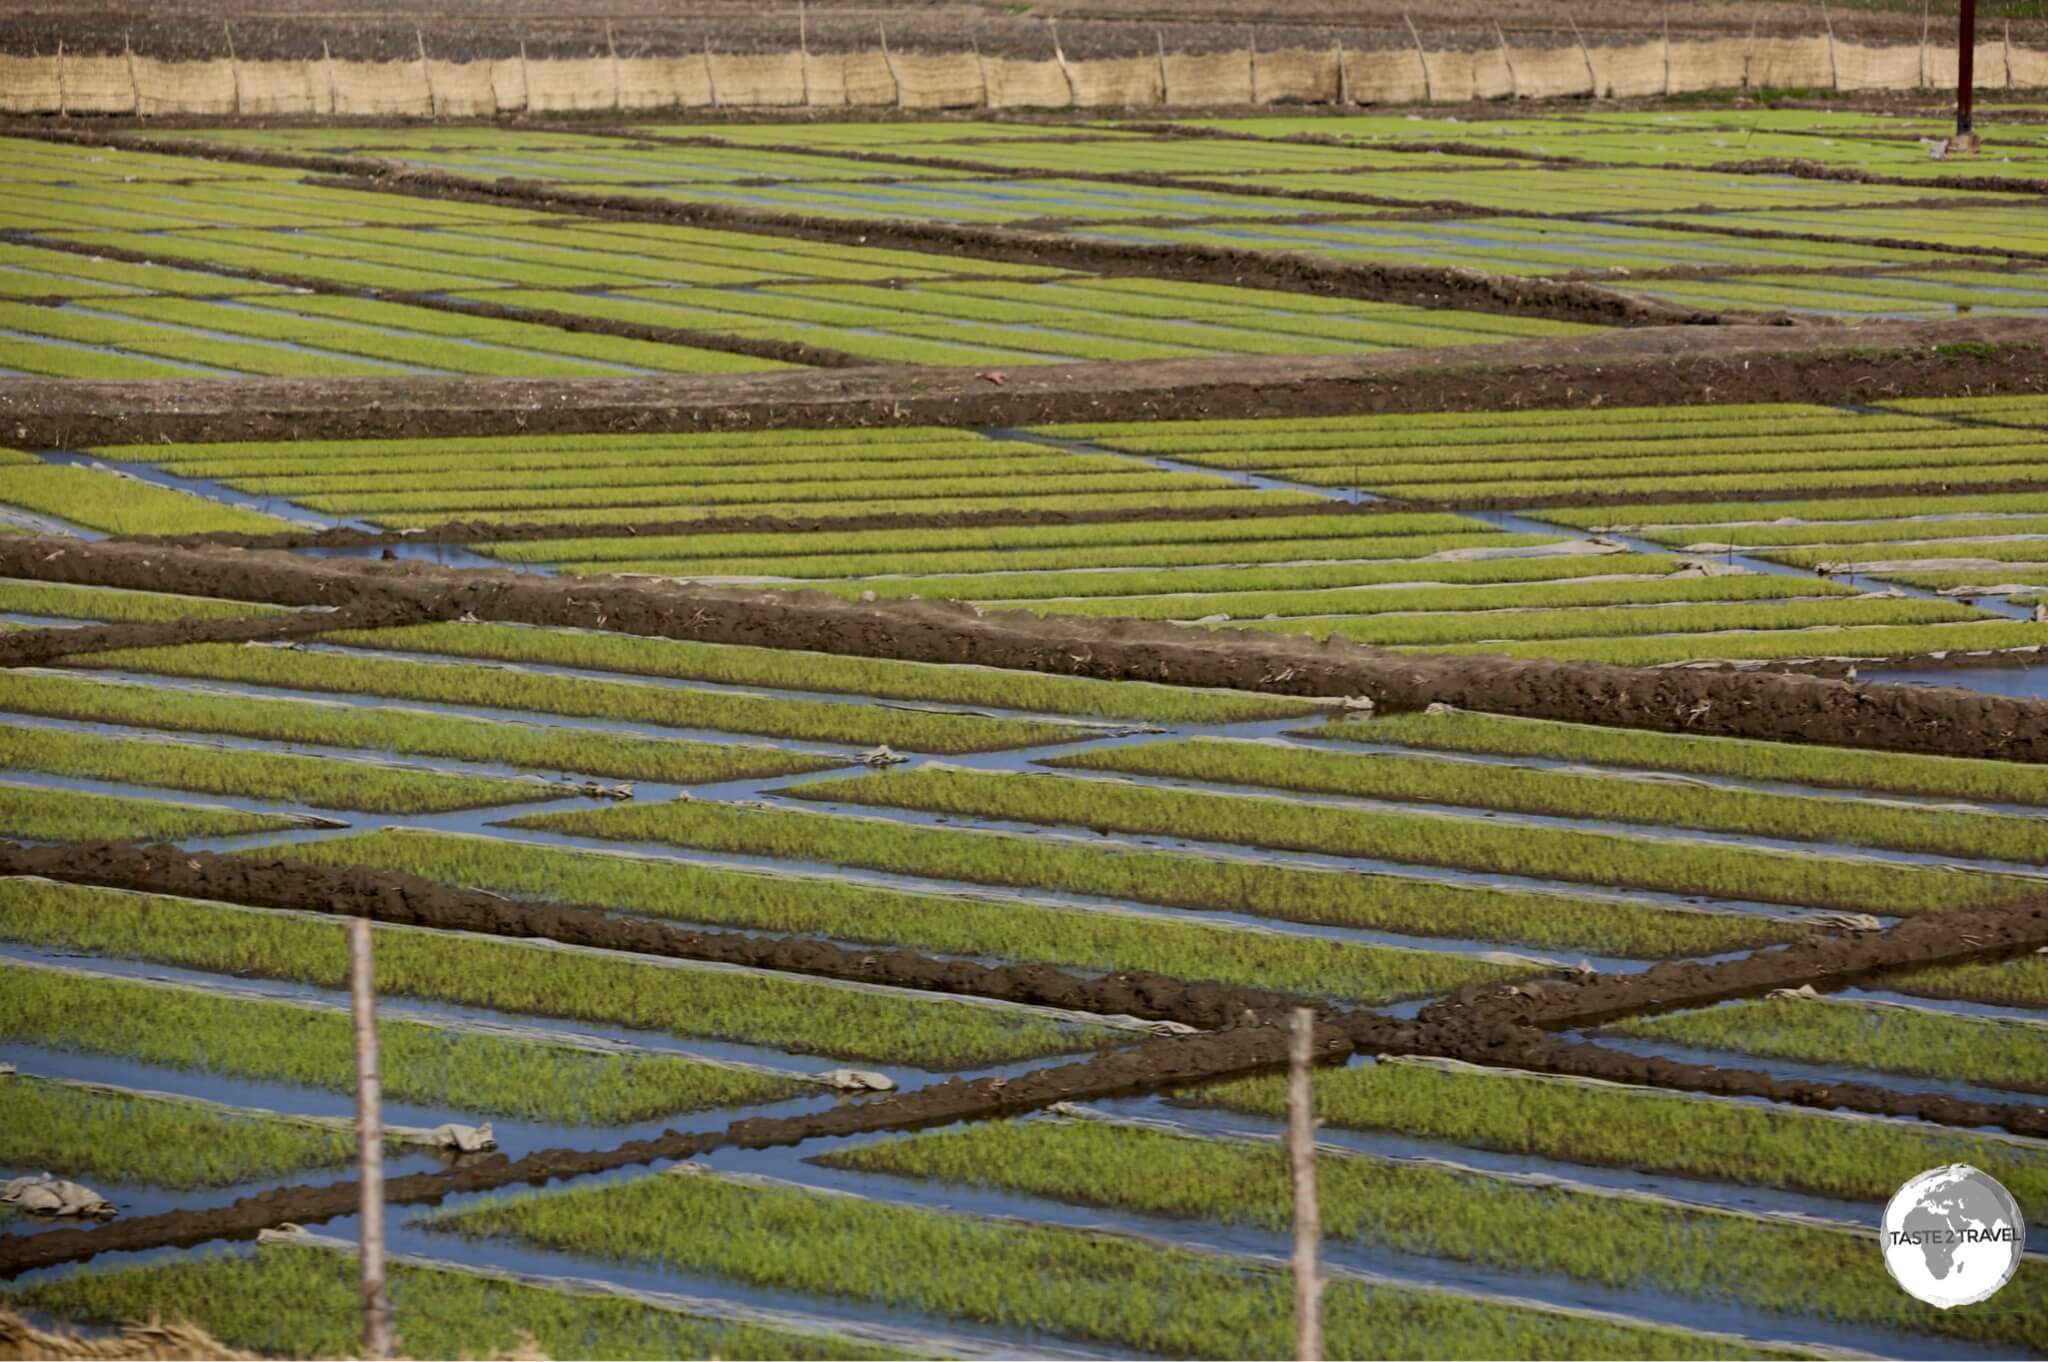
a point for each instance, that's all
(1616, 1242)
(512, 976)
(1763, 645)
(1569, 794)
(325, 782)
(537, 747)
(1893, 1039)
(100, 500)
(1069, 1283)
(1470, 626)
(579, 697)
(1743, 758)
(1429, 839)
(1606, 1124)
(305, 1302)
(954, 924)
(2015, 983)
(1014, 589)
(154, 1141)
(115, 606)
(784, 669)
(1175, 879)
(47, 815)
(431, 1066)
(1483, 605)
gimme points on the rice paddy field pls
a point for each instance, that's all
(855, 825)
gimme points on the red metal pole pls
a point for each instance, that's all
(1966, 63)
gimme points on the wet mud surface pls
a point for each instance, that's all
(1772, 705)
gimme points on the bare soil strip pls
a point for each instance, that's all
(34, 647)
(1777, 706)
(1651, 366)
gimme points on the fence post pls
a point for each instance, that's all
(890, 62)
(1073, 91)
(1667, 46)
(1592, 76)
(369, 1142)
(1251, 40)
(711, 74)
(427, 73)
(1749, 54)
(63, 103)
(234, 67)
(1165, 90)
(1421, 58)
(1301, 1156)
(1514, 85)
(981, 69)
(618, 81)
(134, 85)
(1834, 70)
(803, 49)
(1343, 85)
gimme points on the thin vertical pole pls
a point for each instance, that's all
(1966, 64)
(369, 1142)
(1308, 1225)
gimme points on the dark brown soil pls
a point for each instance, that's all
(34, 647)
(1767, 705)
(1651, 366)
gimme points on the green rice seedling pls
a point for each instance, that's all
(1236, 532)
(1895, 1039)
(1487, 606)
(1618, 1242)
(806, 568)
(2014, 550)
(1877, 507)
(101, 500)
(1762, 645)
(2015, 983)
(116, 606)
(1571, 854)
(731, 664)
(1426, 630)
(58, 361)
(1573, 795)
(432, 1066)
(954, 924)
(537, 747)
(1761, 483)
(767, 478)
(154, 1141)
(1847, 768)
(1215, 500)
(1173, 879)
(1070, 1283)
(1890, 535)
(1610, 1125)
(46, 815)
(784, 1011)
(1018, 588)
(304, 1301)
(456, 501)
(503, 688)
(324, 782)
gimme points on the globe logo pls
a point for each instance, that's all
(1952, 1236)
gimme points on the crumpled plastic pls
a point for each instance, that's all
(858, 1080)
(47, 1195)
(464, 1139)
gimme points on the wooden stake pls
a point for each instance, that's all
(426, 73)
(1073, 91)
(1514, 85)
(1592, 76)
(369, 1142)
(1343, 85)
(1308, 1224)
(1421, 57)
(134, 85)
(981, 69)
(803, 48)
(63, 109)
(1667, 46)
(711, 75)
(1251, 40)
(1834, 71)
(1165, 90)
(618, 82)
(1923, 44)
(234, 67)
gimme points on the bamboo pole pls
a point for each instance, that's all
(1421, 57)
(369, 1142)
(1308, 1225)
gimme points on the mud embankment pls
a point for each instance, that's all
(1776, 706)
(408, 900)
(32, 647)
(1650, 366)
(1826, 961)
